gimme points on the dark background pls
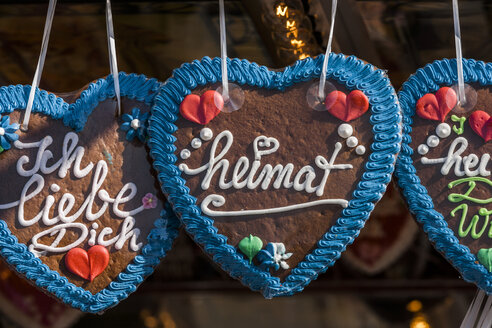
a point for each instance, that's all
(152, 38)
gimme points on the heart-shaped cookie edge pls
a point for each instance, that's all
(159, 240)
(349, 71)
(439, 73)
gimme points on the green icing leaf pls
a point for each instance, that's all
(485, 258)
(250, 246)
(1, 149)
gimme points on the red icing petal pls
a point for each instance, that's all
(436, 107)
(357, 105)
(446, 98)
(190, 107)
(98, 259)
(77, 262)
(335, 103)
(211, 103)
(428, 107)
(481, 123)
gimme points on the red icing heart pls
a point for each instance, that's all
(481, 123)
(347, 108)
(87, 265)
(202, 109)
(436, 107)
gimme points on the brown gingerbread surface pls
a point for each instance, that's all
(103, 141)
(437, 183)
(303, 134)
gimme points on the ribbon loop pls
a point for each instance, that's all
(113, 65)
(40, 66)
(459, 56)
(223, 51)
(322, 78)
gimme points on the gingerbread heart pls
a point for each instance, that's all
(347, 108)
(444, 170)
(81, 215)
(436, 107)
(275, 191)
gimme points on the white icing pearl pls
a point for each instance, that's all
(432, 141)
(95, 225)
(352, 142)
(423, 149)
(206, 134)
(135, 124)
(2, 131)
(185, 154)
(443, 130)
(196, 143)
(55, 188)
(360, 150)
(345, 130)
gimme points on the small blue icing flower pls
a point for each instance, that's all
(7, 132)
(273, 256)
(135, 125)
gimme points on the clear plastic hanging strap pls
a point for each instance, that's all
(39, 68)
(223, 51)
(113, 64)
(459, 56)
(322, 79)
(479, 315)
(44, 47)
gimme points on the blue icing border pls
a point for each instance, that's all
(350, 71)
(75, 115)
(428, 80)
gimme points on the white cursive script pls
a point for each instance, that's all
(470, 165)
(72, 155)
(302, 181)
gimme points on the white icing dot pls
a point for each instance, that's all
(423, 149)
(345, 130)
(95, 225)
(352, 142)
(2, 131)
(432, 141)
(185, 154)
(360, 150)
(206, 134)
(443, 130)
(196, 143)
(135, 124)
(55, 188)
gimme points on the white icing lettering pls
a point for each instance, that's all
(463, 166)
(259, 176)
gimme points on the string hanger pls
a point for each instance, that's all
(467, 96)
(322, 78)
(317, 92)
(113, 65)
(230, 94)
(40, 66)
